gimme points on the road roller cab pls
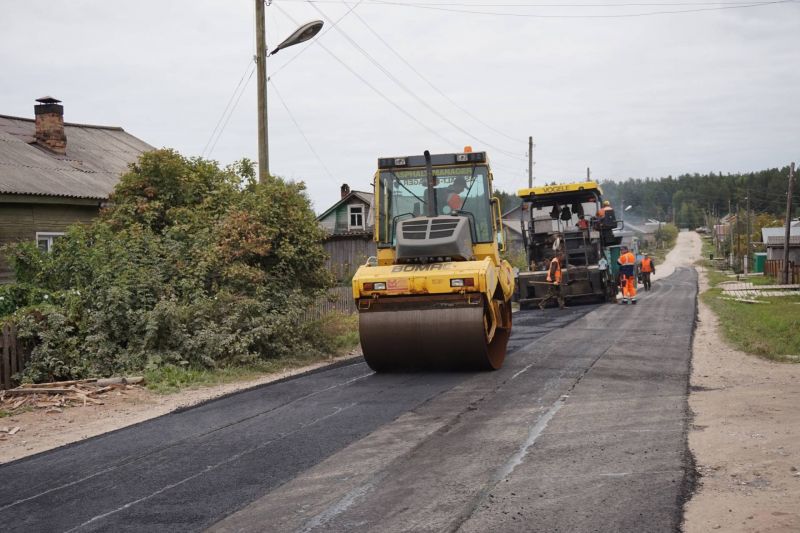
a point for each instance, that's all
(437, 295)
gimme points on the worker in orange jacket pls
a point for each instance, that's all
(648, 268)
(554, 278)
(606, 208)
(627, 270)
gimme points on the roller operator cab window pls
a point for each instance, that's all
(459, 191)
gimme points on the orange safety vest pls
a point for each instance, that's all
(627, 262)
(647, 265)
(627, 259)
(603, 210)
(557, 279)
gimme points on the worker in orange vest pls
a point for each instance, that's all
(601, 213)
(648, 268)
(627, 270)
(554, 278)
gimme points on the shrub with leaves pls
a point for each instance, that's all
(190, 265)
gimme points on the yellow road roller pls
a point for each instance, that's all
(437, 295)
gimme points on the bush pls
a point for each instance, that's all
(666, 235)
(191, 266)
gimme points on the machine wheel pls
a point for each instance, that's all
(442, 333)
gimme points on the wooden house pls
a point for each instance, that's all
(54, 174)
(349, 225)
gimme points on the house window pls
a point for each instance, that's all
(45, 239)
(356, 213)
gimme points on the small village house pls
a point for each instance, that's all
(512, 222)
(349, 225)
(54, 174)
(774, 239)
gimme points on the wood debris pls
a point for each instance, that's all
(54, 397)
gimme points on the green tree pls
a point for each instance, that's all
(191, 265)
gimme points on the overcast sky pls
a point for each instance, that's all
(635, 96)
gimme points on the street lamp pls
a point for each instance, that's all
(302, 34)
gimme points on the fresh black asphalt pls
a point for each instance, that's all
(584, 429)
(186, 470)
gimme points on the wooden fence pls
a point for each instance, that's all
(340, 299)
(774, 268)
(12, 357)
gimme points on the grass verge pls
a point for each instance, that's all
(331, 336)
(770, 329)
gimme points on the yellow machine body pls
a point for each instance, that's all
(420, 311)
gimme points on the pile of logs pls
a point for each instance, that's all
(55, 396)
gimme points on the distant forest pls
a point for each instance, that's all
(686, 199)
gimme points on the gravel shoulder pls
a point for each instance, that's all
(744, 437)
(40, 431)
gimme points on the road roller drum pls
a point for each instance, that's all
(432, 334)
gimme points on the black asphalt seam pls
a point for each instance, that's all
(508, 467)
(691, 476)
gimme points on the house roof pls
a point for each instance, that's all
(769, 233)
(514, 224)
(513, 212)
(366, 197)
(648, 228)
(95, 158)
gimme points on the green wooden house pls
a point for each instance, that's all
(54, 174)
(348, 226)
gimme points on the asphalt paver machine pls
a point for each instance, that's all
(564, 218)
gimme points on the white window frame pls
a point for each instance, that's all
(50, 236)
(360, 214)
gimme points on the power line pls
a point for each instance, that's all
(400, 84)
(297, 125)
(376, 90)
(224, 111)
(430, 83)
(583, 16)
(320, 36)
(542, 4)
(235, 104)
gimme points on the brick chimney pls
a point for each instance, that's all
(50, 124)
(345, 189)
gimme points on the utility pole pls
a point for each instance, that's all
(747, 252)
(530, 162)
(736, 239)
(788, 230)
(261, 74)
(588, 174)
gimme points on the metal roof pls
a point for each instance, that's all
(768, 233)
(366, 197)
(95, 159)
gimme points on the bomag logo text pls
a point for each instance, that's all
(422, 268)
